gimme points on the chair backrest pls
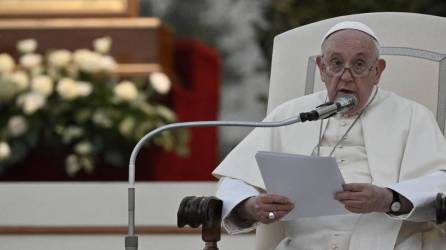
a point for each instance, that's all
(412, 44)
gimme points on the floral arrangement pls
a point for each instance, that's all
(72, 102)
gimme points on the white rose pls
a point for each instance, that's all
(31, 61)
(5, 151)
(160, 82)
(7, 63)
(67, 89)
(70, 133)
(84, 88)
(53, 73)
(101, 119)
(8, 91)
(27, 46)
(31, 102)
(127, 126)
(87, 164)
(165, 112)
(74, 131)
(72, 165)
(17, 125)
(72, 71)
(59, 58)
(102, 45)
(20, 79)
(83, 148)
(37, 70)
(87, 60)
(126, 91)
(107, 64)
(42, 84)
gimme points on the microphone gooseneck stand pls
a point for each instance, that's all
(131, 240)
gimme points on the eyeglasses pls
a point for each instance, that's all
(358, 68)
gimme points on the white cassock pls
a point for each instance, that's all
(396, 143)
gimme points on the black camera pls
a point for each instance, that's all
(199, 211)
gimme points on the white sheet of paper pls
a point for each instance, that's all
(310, 182)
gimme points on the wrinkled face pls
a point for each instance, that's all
(349, 66)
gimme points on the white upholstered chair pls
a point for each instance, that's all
(413, 45)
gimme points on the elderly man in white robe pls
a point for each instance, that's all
(389, 149)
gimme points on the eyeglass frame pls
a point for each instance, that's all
(352, 72)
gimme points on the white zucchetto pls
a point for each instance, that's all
(350, 25)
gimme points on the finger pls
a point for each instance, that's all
(350, 204)
(355, 204)
(354, 187)
(277, 216)
(275, 207)
(342, 196)
(265, 218)
(275, 198)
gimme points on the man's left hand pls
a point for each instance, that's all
(365, 198)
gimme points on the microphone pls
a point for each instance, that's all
(340, 105)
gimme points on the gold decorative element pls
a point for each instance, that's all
(67, 7)
(73, 23)
(134, 69)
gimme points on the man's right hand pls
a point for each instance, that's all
(258, 208)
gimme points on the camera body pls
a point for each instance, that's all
(202, 211)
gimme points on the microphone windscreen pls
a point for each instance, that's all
(346, 103)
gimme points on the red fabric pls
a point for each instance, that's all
(195, 98)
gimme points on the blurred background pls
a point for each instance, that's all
(230, 28)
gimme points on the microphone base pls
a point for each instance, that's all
(131, 242)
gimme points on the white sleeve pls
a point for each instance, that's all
(232, 192)
(422, 192)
